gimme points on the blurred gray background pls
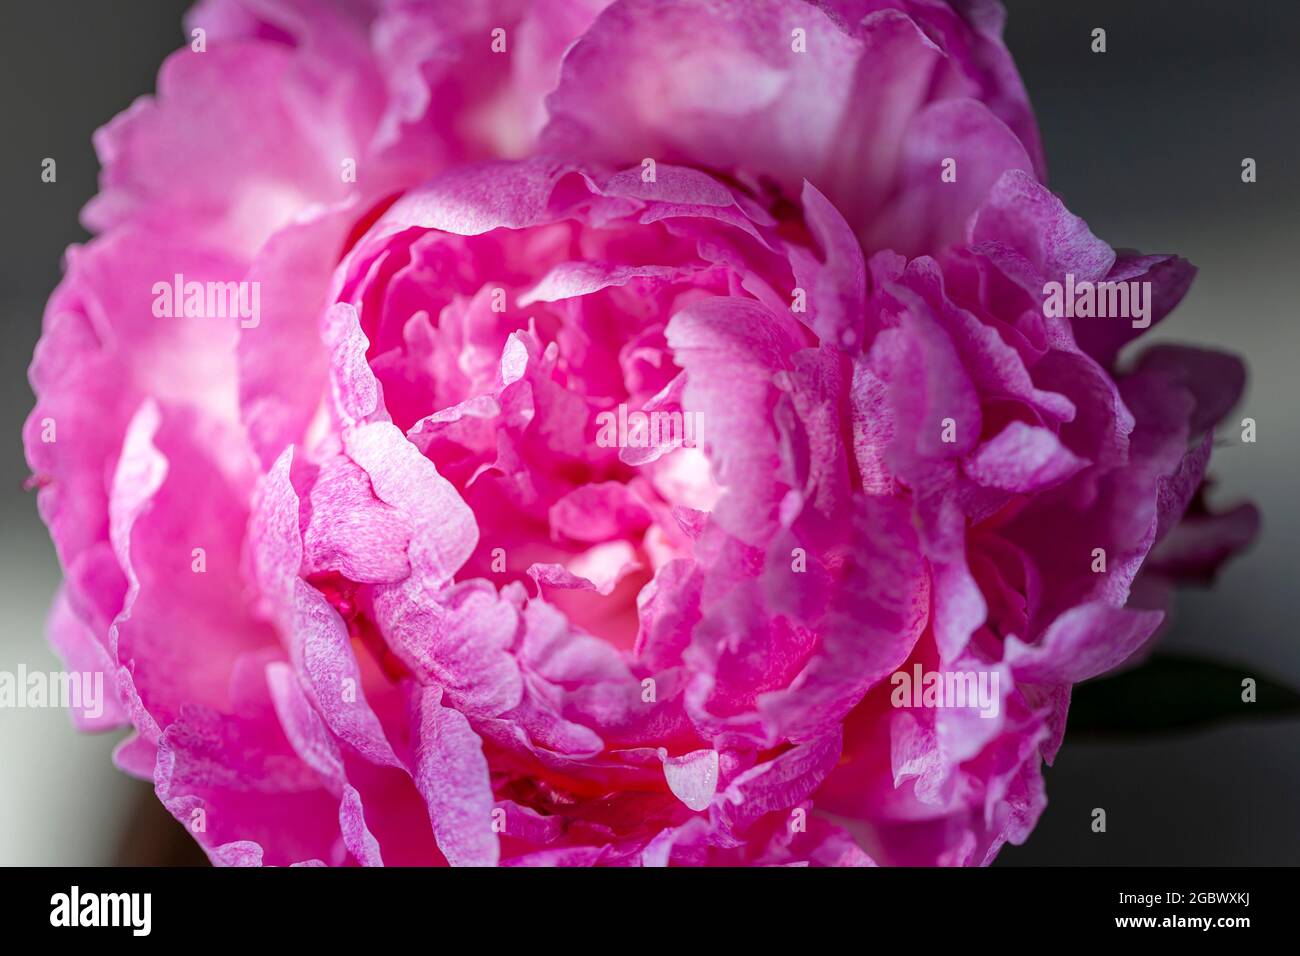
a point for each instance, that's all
(1145, 142)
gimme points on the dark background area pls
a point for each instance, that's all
(1144, 141)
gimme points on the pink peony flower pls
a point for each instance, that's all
(574, 484)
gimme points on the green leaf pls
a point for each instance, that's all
(1171, 694)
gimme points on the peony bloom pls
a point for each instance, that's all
(573, 483)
